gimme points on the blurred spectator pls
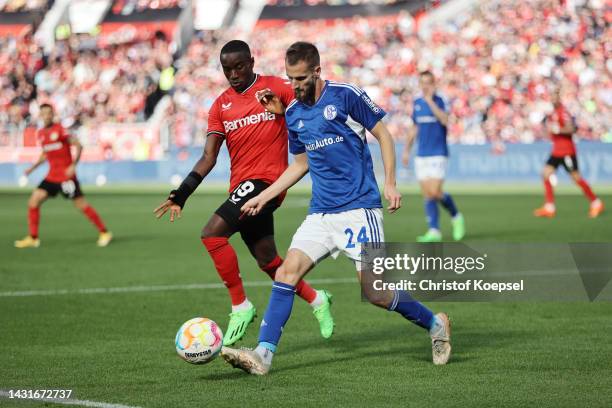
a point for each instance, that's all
(126, 7)
(13, 6)
(292, 3)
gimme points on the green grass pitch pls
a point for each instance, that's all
(119, 347)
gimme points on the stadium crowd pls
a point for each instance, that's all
(86, 83)
(298, 3)
(126, 7)
(495, 66)
(15, 6)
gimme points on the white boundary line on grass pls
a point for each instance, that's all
(156, 288)
(68, 401)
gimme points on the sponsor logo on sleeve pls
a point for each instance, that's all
(374, 107)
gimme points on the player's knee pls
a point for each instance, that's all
(33, 203)
(287, 273)
(80, 203)
(436, 195)
(209, 232)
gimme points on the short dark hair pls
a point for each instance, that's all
(303, 51)
(236, 46)
(427, 73)
(46, 105)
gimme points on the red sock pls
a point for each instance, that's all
(33, 220)
(302, 289)
(586, 189)
(548, 192)
(225, 260)
(94, 218)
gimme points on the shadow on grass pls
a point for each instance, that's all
(348, 347)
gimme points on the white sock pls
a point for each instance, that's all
(549, 207)
(434, 231)
(265, 354)
(458, 215)
(246, 305)
(318, 300)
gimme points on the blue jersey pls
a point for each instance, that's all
(431, 134)
(332, 133)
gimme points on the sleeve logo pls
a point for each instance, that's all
(330, 112)
(370, 103)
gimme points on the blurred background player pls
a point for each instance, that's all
(430, 121)
(327, 129)
(560, 125)
(61, 178)
(257, 144)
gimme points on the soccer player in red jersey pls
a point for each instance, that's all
(257, 143)
(561, 127)
(60, 179)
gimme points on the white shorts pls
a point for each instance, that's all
(321, 235)
(430, 167)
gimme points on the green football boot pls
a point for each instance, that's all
(458, 227)
(237, 327)
(430, 236)
(324, 316)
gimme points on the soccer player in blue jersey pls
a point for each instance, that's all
(327, 125)
(430, 121)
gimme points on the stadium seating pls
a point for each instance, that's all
(490, 64)
(494, 72)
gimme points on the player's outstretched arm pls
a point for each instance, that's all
(387, 149)
(410, 136)
(177, 198)
(41, 159)
(290, 176)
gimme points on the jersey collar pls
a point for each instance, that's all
(250, 86)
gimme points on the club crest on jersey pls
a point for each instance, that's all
(226, 106)
(54, 136)
(330, 112)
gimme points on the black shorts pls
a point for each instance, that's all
(252, 229)
(69, 188)
(570, 162)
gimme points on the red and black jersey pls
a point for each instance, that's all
(55, 143)
(256, 139)
(563, 143)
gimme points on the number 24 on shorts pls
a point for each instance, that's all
(362, 237)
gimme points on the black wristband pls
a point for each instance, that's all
(188, 186)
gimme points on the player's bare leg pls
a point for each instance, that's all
(401, 302)
(215, 237)
(37, 198)
(104, 236)
(596, 206)
(548, 209)
(259, 360)
(264, 251)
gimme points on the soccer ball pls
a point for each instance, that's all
(199, 340)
